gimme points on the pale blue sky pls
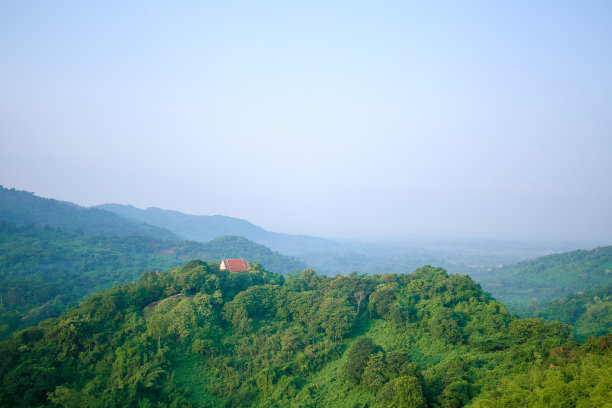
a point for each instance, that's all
(343, 119)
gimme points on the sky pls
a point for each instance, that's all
(346, 119)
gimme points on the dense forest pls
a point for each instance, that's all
(589, 312)
(197, 336)
(42, 270)
(527, 285)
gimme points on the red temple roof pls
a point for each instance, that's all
(234, 265)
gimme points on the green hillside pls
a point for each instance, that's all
(43, 269)
(535, 282)
(589, 312)
(22, 208)
(196, 336)
(207, 227)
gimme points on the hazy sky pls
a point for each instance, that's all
(343, 118)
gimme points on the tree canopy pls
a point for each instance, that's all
(197, 336)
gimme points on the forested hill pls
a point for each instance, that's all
(196, 336)
(43, 269)
(589, 312)
(22, 207)
(541, 280)
(207, 227)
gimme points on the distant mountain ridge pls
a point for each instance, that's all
(22, 208)
(207, 227)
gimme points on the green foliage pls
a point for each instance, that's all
(43, 270)
(533, 283)
(23, 208)
(443, 324)
(590, 312)
(197, 336)
(381, 299)
(573, 376)
(358, 357)
(374, 376)
(336, 317)
(404, 391)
